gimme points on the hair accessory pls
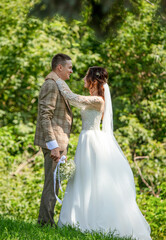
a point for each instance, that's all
(97, 74)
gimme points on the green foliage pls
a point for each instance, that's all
(135, 60)
(27, 46)
(103, 15)
(136, 63)
(21, 193)
(16, 144)
(153, 209)
(153, 165)
(17, 191)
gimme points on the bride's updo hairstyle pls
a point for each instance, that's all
(97, 77)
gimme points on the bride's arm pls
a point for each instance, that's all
(91, 102)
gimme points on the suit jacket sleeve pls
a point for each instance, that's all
(47, 105)
(90, 102)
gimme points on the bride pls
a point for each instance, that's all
(101, 196)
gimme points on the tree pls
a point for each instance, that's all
(105, 17)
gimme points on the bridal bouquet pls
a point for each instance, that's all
(66, 169)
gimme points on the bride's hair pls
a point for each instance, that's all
(96, 77)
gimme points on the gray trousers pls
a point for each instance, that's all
(48, 200)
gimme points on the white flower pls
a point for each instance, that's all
(67, 170)
(97, 74)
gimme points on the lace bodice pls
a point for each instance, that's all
(91, 119)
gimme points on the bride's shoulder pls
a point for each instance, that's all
(98, 99)
(99, 102)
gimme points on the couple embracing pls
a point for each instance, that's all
(101, 196)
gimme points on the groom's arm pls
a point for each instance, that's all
(52, 144)
(47, 105)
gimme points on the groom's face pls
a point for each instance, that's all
(66, 70)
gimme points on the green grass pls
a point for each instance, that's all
(13, 229)
(20, 199)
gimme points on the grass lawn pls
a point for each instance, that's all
(14, 229)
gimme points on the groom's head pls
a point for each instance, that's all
(62, 65)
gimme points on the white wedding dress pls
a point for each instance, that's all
(101, 196)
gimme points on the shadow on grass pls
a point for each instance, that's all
(14, 229)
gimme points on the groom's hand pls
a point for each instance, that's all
(55, 154)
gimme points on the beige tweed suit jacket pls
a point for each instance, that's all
(54, 115)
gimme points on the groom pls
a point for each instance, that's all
(52, 131)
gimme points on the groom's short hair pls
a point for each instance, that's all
(59, 58)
